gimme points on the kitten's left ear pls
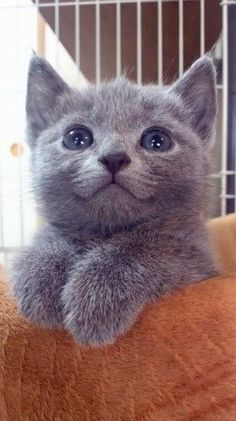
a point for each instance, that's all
(197, 89)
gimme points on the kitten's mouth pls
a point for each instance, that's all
(114, 186)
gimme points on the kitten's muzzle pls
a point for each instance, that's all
(115, 162)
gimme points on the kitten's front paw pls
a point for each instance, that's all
(37, 277)
(99, 303)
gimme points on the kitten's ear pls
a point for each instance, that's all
(197, 89)
(44, 91)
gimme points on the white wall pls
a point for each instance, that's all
(18, 38)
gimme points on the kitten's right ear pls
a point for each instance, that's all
(44, 91)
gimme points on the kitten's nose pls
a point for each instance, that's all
(114, 162)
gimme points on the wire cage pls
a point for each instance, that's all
(91, 40)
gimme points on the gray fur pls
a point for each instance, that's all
(106, 252)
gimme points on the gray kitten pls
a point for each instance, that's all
(120, 173)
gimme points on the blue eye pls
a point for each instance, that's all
(78, 138)
(156, 140)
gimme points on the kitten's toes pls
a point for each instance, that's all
(94, 333)
(96, 322)
(91, 333)
(35, 300)
(37, 307)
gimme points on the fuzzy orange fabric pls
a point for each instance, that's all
(177, 363)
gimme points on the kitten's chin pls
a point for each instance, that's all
(115, 206)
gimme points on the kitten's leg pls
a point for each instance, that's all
(109, 287)
(103, 296)
(38, 275)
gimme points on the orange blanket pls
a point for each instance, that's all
(177, 363)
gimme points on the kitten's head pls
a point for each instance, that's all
(111, 155)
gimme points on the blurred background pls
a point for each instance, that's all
(152, 41)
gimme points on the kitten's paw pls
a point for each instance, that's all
(37, 307)
(99, 305)
(35, 302)
(36, 279)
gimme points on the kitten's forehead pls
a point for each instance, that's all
(122, 102)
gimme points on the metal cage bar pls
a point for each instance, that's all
(118, 38)
(77, 34)
(231, 139)
(160, 43)
(90, 2)
(225, 109)
(181, 37)
(139, 42)
(98, 41)
(57, 28)
(202, 27)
